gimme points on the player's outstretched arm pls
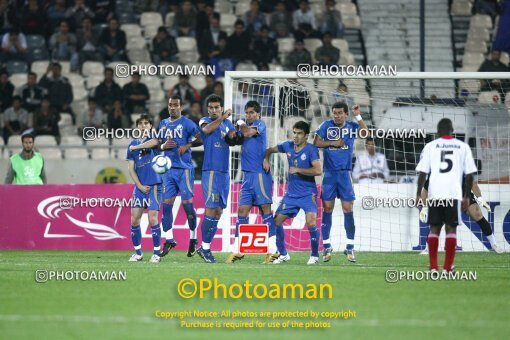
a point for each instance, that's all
(131, 169)
(247, 131)
(479, 199)
(315, 170)
(421, 182)
(356, 111)
(269, 152)
(209, 128)
(320, 143)
(153, 143)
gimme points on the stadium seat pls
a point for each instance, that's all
(16, 67)
(461, 8)
(135, 43)
(80, 93)
(151, 82)
(94, 80)
(507, 101)
(135, 116)
(346, 9)
(126, 18)
(505, 58)
(156, 94)
(151, 18)
(479, 35)
(242, 8)
(312, 44)
(246, 67)
(480, 20)
(66, 67)
(341, 44)
(150, 31)
(65, 120)
(122, 81)
(131, 30)
(472, 85)
(14, 141)
(46, 140)
(347, 59)
(489, 97)
(475, 46)
(139, 55)
(227, 20)
(223, 7)
(72, 140)
(121, 142)
(35, 41)
(185, 44)
(103, 153)
(473, 59)
(169, 19)
(92, 67)
(76, 80)
(98, 142)
(50, 153)
(40, 67)
(285, 45)
(39, 54)
(275, 67)
(352, 22)
(317, 9)
(76, 153)
(18, 79)
(198, 82)
(170, 82)
(188, 57)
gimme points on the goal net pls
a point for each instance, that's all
(402, 113)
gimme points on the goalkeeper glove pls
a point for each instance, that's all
(424, 212)
(484, 204)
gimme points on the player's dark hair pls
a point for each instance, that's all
(176, 97)
(108, 69)
(302, 125)
(27, 135)
(214, 99)
(444, 127)
(340, 105)
(253, 104)
(146, 117)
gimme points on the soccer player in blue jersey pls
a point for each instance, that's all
(304, 165)
(336, 136)
(215, 130)
(175, 137)
(257, 182)
(148, 189)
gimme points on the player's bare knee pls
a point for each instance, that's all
(170, 200)
(244, 210)
(347, 206)
(449, 229)
(474, 212)
(311, 220)
(279, 219)
(266, 209)
(153, 217)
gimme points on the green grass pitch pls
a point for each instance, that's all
(126, 309)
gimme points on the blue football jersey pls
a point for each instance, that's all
(143, 166)
(338, 158)
(181, 131)
(254, 148)
(216, 150)
(300, 185)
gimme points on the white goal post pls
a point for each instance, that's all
(472, 100)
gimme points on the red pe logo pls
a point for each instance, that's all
(253, 238)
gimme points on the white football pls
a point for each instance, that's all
(161, 164)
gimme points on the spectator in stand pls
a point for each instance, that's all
(87, 41)
(135, 96)
(491, 8)
(265, 48)
(342, 95)
(207, 90)
(254, 18)
(76, 13)
(281, 20)
(146, 6)
(6, 91)
(304, 15)
(188, 94)
(92, 118)
(494, 64)
(371, 167)
(502, 39)
(327, 54)
(34, 19)
(56, 13)
(103, 9)
(209, 39)
(116, 117)
(14, 46)
(63, 43)
(46, 120)
(31, 93)
(218, 89)
(202, 18)
(185, 21)
(26, 167)
(306, 31)
(15, 119)
(7, 16)
(164, 47)
(221, 60)
(332, 20)
(195, 113)
(112, 42)
(59, 89)
(108, 91)
(238, 44)
(300, 55)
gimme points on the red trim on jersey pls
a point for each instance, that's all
(447, 137)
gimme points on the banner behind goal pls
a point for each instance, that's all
(402, 122)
